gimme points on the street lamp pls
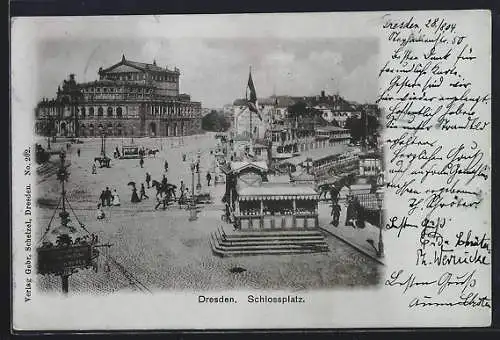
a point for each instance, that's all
(198, 185)
(192, 208)
(380, 249)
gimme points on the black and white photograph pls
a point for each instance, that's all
(252, 189)
(247, 161)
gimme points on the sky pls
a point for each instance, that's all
(215, 70)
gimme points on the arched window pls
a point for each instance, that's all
(110, 111)
(83, 112)
(100, 111)
(99, 129)
(110, 129)
(91, 112)
(91, 129)
(119, 130)
(119, 112)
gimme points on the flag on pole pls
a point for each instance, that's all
(251, 97)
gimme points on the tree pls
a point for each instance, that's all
(215, 121)
(297, 109)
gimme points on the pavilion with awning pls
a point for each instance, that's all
(276, 206)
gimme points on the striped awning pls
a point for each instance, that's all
(278, 197)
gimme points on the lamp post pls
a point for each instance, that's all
(198, 185)
(380, 249)
(64, 215)
(192, 208)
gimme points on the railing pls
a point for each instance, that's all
(369, 201)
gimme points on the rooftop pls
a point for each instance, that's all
(139, 66)
(238, 166)
(330, 128)
(318, 154)
(278, 189)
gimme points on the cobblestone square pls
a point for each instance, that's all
(160, 249)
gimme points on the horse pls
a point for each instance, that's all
(153, 152)
(168, 190)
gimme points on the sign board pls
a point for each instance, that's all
(58, 259)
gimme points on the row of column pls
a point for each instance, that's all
(160, 110)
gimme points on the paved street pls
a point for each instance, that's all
(162, 249)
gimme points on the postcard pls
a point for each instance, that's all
(251, 171)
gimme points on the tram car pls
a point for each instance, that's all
(130, 152)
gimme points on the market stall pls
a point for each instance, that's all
(276, 207)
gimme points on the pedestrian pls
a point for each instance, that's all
(198, 166)
(182, 197)
(108, 196)
(141, 162)
(100, 213)
(135, 198)
(228, 212)
(116, 199)
(335, 214)
(148, 179)
(161, 199)
(183, 157)
(166, 166)
(103, 198)
(78, 152)
(143, 192)
(164, 182)
(209, 178)
(94, 169)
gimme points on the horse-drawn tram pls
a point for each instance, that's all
(130, 152)
(268, 218)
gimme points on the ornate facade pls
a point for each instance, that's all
(129, 99)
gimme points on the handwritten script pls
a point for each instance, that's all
(437, 120)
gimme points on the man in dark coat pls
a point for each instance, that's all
(335, 214)
(148, 179)
(209, 178)
(108, 197)
(166, 166)
(143, 192)
(103, 198)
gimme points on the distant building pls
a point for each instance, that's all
(241, 118)
(129, 99)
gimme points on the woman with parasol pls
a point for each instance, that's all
(135, 198)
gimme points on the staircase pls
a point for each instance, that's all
(244, 243)
(48, 169)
